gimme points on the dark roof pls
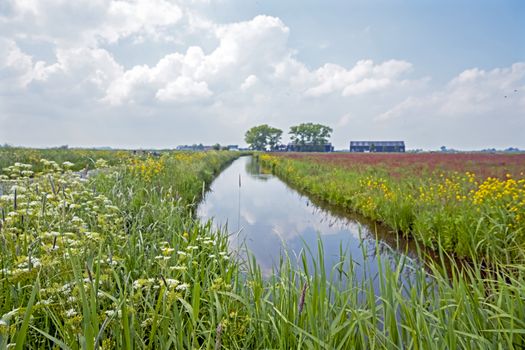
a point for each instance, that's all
(377, 143)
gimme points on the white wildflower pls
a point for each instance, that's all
(183, 286)
(111, 313)
(18, 189)
(7, 316)
(172, 282)
(71, 312)
(167, 250)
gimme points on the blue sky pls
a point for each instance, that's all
(438, 36)
(158, 73)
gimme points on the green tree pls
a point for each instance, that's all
(310, 134)
(263, 137)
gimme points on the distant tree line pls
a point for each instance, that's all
(266, 138)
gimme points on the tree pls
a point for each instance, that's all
(310, 134)
(263, 137)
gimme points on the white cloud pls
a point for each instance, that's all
(476, 109)
(255, 45)
(15, 66)
(472, 92)
(139, 16)
(364, 77)
(96, 66)
(256, 49)
(89, 22)
(262, 40)
(250, 81)
(183, 89)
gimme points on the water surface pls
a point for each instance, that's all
(266, 216)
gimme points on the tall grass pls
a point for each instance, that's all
(80, 157)
(120, 262)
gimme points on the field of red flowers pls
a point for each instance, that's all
(482, 164)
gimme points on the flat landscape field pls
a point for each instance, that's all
(482, 164)
(469, 204)
(102, 250)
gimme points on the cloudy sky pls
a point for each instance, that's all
(159, 73)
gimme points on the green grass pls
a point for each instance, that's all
(80, 157)
(119, 261)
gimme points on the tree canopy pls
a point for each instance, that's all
(263, 137)
(310, 134)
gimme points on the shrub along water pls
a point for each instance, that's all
(119, 261)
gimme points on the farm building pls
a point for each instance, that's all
(294, 147)
(377, 146)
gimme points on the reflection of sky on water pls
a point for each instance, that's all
(268, 217)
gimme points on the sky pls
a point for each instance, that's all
(160, 73)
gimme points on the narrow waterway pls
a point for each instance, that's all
(265, 216)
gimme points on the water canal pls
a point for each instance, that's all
(267, 218)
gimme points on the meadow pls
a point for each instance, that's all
(118, 260)
(470, 205)
(80, 158)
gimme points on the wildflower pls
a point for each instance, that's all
(6, 317)
(112, 313)
(167, 250)
(71, 312)
(139, 283)
(170, 282)
(18, 189)
(66, 288)
(183, 286)
(146, 323)
(101, 163)
(45, 302)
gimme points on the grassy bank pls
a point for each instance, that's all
(104, 263)
(81, 158)
(119, 261)
(463, 213)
